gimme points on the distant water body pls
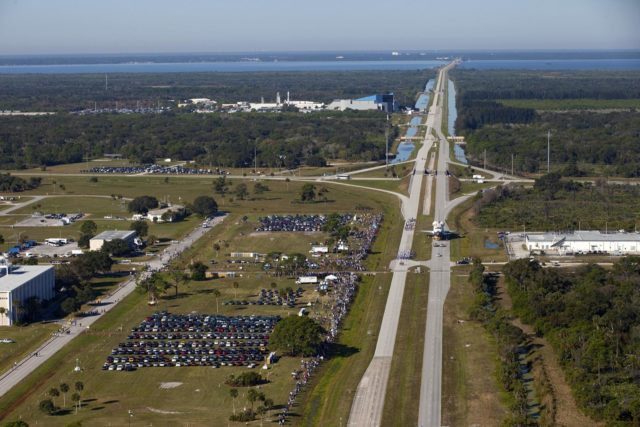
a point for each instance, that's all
(235, 66)
(552, 64)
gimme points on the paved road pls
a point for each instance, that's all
(368, 404)
(22, 369)
(429, 414)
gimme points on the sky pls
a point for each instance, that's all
(134, 26)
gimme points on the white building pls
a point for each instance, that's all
(584, 242)
(319, 249)
(19, 283)
(96, 243)
(385, 102)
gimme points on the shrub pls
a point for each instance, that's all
(246, 379)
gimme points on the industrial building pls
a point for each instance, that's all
(96, 243)
(383, 102)
(19, 283)
(619, 243)
(304, 106)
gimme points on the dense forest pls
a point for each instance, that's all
(591, 316)
(280, 139)
(606, 141)
(560, 205)
(69, 92)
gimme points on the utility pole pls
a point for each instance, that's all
(255, 157)
(548, 151)
(106, 82)
(386, 136)
(485, 159)
(511, 164)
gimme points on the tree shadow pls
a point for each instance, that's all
(108, 402)
(62, 412)
(341, 350)
(97, 408)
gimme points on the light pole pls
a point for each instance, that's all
(130, 416)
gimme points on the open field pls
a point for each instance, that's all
(400, 169)
(191, 402)
(185, 404)
(398, 186)
(472, 240)
(401, 405)
(471, 394)
(572, 104)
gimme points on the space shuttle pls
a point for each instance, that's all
(439, 232)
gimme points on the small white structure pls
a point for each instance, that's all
(584, 242)
(317, 249)
(307, 280)
(96, 243)
(17, 284)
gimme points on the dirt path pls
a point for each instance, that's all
(567, 412)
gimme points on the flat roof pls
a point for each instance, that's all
(114, 234)
(584, 236)
(21, 275)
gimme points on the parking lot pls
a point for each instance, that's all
(49, 220)
(53, 251)
(176, 340)
(515, 246)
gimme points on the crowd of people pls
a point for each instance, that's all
(154, 169)
(307, 367)
(343, 291)
(363, 231)
(166, 339)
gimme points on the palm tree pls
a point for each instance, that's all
(261, 410)
(216, 293)
(236, 285)
(64, 388)
(53, 393)
(79, 386)
(234, 393)
(254, 395)
(3, 312)
(76, 399)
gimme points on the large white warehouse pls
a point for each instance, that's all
(584, 242)
(19, 283)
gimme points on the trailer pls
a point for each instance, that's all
(302, 280)
(56, 241)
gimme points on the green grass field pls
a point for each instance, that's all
(572, 104)
(471, 242)
(202, 397)
(470, 393)
(401, 401)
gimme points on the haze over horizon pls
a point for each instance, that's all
(164, 26)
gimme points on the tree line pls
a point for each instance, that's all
(607, 139)
(591, 316)
(278, 140)
(561, 205)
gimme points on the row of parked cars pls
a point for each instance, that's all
(165, 339)
(306, 223)
(271, 297)
(154, 169)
